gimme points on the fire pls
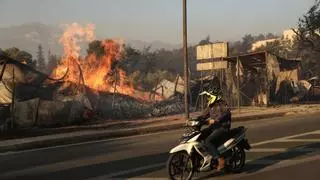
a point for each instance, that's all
(98, 73)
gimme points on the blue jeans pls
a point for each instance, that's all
(216, 134)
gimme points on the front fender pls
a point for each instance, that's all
(184, 147)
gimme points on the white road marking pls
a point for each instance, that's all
(303, 134)
(284, 138)
(286, 163)
(256, 150)
(298, 140)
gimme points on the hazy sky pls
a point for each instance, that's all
(151, 20)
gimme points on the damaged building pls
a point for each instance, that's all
(262, 78)
(30, 98)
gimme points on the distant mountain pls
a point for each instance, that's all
(28, 36)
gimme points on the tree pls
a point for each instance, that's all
(260, 37)
(12, 52)
(308, 28)
(134, 59)
(131, 59)
(40, 59)
(52, 62)
(96, 48)
(135, 78)
(308, 39)
(235, 48)
(148, 59)
(205, 41)
(247, 41)
(271, 36)
(243, 46)
(274, 47)
(25, 57)
(21, 56)
(49, 54)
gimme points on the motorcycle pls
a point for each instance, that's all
(186, 158)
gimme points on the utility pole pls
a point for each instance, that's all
(186, 68)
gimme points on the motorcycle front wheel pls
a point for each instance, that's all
(180, 166)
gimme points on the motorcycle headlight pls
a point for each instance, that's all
(193, 123)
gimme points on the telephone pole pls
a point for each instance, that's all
(186, 68)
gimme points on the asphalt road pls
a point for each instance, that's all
(283, 148)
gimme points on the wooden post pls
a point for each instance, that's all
(221, 77)
(189, 88)
(2, 70)
(267, 81)
(13, 97)
(238, 82)
(201, 89)
(114, 89)
(176, 84)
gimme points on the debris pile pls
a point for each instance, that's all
(173, 105)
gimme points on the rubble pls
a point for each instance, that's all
(118, 106)
(25, 113)
(59, 113)
(4, 116)
(42, 113)
(167, 89)
(174, 105)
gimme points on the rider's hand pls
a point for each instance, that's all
(211, 121)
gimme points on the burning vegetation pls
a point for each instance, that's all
(100, 73)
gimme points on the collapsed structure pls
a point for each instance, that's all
(33, 99)
(259, 78)
(30, 98)
(253, 79)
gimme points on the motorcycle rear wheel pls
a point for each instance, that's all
(237, 161)
(180, 166)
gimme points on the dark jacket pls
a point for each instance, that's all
(220, 112)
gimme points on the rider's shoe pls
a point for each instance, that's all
(206, 163)
(220, 164)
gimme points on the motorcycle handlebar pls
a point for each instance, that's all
(195, 122)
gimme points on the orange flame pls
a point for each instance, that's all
(97, 73)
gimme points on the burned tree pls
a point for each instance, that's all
(308, 38)
(40, 59)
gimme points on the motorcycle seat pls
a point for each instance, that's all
(235, 131)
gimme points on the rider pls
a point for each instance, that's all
(218, 116)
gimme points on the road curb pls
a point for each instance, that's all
(105, 134)
(259, 116)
